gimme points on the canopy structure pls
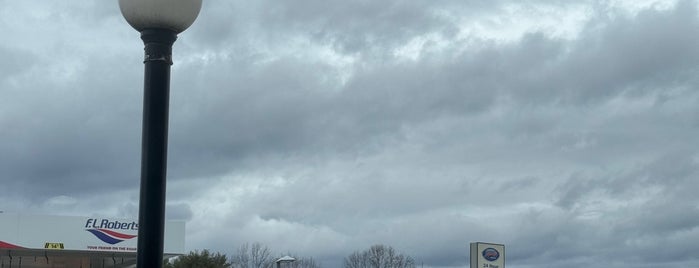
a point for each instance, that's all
(39, 241)
(28, 258)
(68, 259)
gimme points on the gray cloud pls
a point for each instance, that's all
(322, 127)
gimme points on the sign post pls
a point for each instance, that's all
(487, 255)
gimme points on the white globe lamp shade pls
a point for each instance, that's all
(174, 15)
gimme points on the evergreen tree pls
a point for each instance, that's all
(196, 259)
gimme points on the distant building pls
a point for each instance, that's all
(39, 241)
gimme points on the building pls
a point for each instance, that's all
(39, 241)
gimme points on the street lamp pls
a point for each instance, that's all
(159, 22)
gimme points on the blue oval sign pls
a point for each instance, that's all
(491, 254)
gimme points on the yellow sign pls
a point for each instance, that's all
(53, 245)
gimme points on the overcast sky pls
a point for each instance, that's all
(566, 130)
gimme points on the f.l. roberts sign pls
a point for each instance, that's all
(44, 232)
(487, 255)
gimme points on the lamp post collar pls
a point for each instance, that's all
(158, 44)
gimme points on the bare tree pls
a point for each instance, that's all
(260, 256)
(379, 256)
(252, 256)
(241, 259)
(357, 260)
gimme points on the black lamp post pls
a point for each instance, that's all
(159, 22)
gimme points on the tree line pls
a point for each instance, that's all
(257, 255)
